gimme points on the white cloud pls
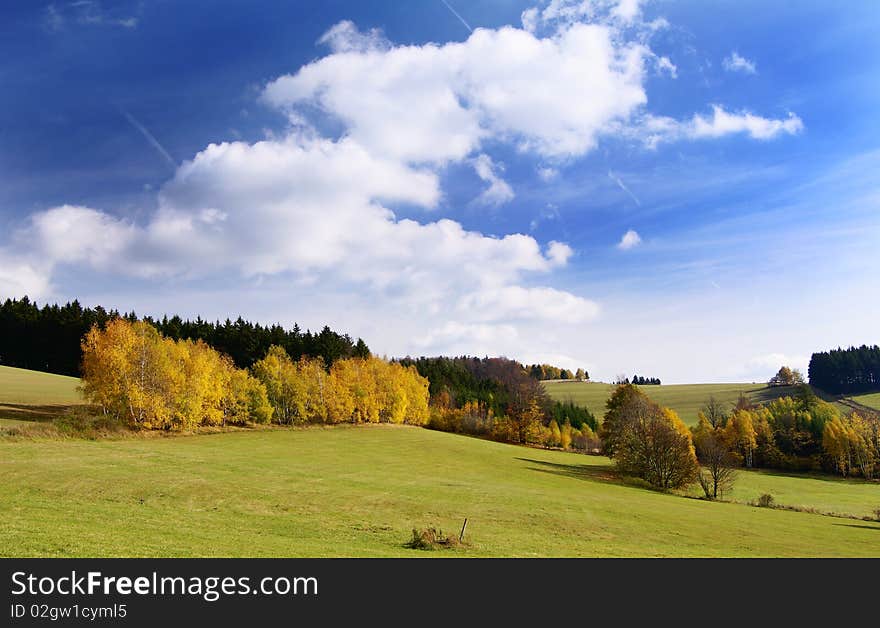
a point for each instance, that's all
(665, 65)
(276, 208)
(436, 103)
(765, 366)
(499, 191)
(345, 37)
(736, 63)
(519, 303)
(655, 130)
(559, 253)
(724, 123)
(627, 10)
(18, 277)
(630, 239)
(307, 220)
(70, 234)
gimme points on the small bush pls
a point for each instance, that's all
(431, 539)
(877, 514)
(766, 501)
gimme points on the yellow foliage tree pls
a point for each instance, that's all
(565, 435)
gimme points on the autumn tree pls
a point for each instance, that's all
(850, 444)
(648, 441)
(565, 435)
(656, 446)
(623, 404)
(787, 377)
(713, 412)
(717, 471)
(740, 435)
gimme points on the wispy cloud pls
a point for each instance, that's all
(460, 19)
(53, 19)
(85, 12)
(623, 187)
(736, 63)
(150, 138)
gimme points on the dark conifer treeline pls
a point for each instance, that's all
(48, 338)
(852, 370)
(638, 380)
(495, 382)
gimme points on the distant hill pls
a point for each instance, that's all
(35, 396)
(685, 399)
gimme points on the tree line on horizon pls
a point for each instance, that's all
(842, 371)
(543, 372)
(48, 338)
(638, 380)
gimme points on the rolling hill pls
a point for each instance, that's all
(34, 396)
(359, 491)
(685, 399)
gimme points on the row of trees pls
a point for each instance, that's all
(803, 432)
(637, 380)
(356, 390)
(841, 371)
(136, 375)
(544, 372)
(790, 433)
(497, 398)
(48, 338)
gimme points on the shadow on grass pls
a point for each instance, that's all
(578, 471)
(859, 525)
(810, 475)
(23, 412)
(771, 393)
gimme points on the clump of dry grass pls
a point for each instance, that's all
(432, 539)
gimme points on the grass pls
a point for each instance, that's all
(360, 491)
(871, 400)
(685, 399)
(34, 396)
(822, 492)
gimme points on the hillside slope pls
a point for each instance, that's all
(34, 396)
(685, 399)
(358, 491)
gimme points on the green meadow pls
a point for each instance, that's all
(358, 491)
(685, 399)
(33, 396)
(871, 400)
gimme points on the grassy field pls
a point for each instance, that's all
(358, 491)
(871, 400)
(33, 396)
(686, 399)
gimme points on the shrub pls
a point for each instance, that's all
(766, 501)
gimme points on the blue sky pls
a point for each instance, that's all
(446, 184)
